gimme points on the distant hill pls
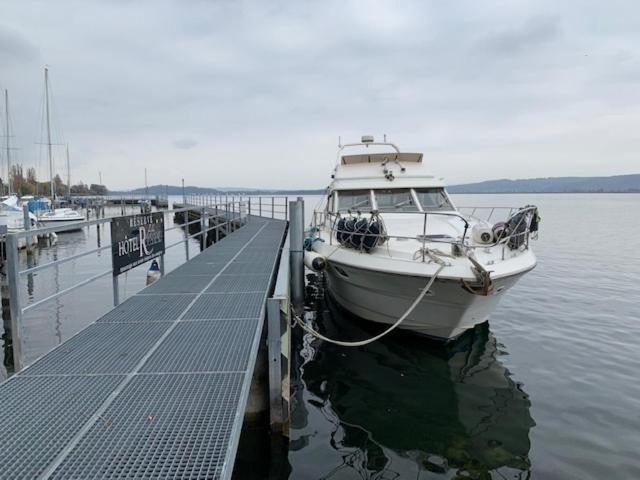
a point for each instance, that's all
(615, 184)
(177, 190)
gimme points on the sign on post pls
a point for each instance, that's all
(136, 239)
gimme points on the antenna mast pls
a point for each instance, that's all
(68, 175)
(6, 118)
(50, 152)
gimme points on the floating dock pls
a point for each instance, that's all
(157, 387)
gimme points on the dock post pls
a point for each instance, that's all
(27, 226)
(186, 234)
(116, 291)
(274, 340)
(203, 230)
(296, 253)
(13, 282)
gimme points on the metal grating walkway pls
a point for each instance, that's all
(157, 387)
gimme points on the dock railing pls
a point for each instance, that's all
(226, 218)
(267, 206)
(279, 345)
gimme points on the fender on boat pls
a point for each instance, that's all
(314, 261)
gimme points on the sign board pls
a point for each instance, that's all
(136, 239)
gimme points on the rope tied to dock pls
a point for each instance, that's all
(361, 343)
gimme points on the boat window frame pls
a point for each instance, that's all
(444, 192)
(411, 195)
(336, 205)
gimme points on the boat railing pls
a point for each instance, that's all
(518, 234)
(485, 214)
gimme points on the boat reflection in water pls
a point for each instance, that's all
(404, 407)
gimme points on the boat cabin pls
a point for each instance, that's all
(390, 200)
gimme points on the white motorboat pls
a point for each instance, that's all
(398, 252)
(60, 216)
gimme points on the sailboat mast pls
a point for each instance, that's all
(6, 121)
(146, 186)
(49, 150)
(68, 175)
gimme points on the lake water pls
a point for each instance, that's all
(548, 389)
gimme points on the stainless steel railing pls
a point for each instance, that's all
(267, 206)
(522, 228)
(228, 216)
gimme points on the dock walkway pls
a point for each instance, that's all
(157, 387)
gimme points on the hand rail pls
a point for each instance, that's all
(320, 218)
(232, 211)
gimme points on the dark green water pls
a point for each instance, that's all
(547, 389)
(405, 407)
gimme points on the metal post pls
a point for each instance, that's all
(233, 212)
(259, 206)
(203, 229)
(249, 200)
(286, 208)
(296, 253)
(116, 291)
(274, 336)
(186, 235)
(27, 226)
(162, 264)
(273, 206)
(13, 281)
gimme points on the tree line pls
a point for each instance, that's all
(26, 183)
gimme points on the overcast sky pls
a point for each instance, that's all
(255, 94)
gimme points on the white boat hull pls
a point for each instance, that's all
(447, 310)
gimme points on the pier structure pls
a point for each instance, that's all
(158, 387)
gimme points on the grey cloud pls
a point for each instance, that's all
(14, 48)
(185, 143)
(271, 85)
(533, 33)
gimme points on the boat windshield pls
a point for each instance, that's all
(395, 200)
(354, 200)
(433, 199)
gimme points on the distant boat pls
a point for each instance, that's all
(60, 216)
(12, 216)
(56, 216)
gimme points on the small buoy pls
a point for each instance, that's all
(314, 261)
(154, 273)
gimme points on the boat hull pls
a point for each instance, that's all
(61, 223)
(447, 310)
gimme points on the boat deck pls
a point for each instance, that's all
(157, 387)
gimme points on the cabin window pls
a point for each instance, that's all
(354, 200)
(433, 199)
(395, 200)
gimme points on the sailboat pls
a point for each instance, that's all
(56, 216)
(11, 214)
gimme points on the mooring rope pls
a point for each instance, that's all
(415, 303)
